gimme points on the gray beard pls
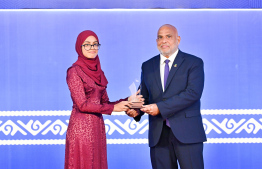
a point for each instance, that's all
(165, 53)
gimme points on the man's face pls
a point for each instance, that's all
(167, 40)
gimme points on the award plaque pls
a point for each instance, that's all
(136, 103)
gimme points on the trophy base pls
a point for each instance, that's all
(136, 105)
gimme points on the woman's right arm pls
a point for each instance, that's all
(78, 96)
(120, 105)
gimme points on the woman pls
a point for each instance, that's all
(85, 137)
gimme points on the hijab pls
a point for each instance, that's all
(90, 66)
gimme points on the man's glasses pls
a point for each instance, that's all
(95, 46)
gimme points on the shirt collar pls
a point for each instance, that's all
(171, 58)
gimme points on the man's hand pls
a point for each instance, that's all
(151, 109)
(132, 112)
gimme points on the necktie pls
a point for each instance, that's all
(166, 72)
(165, 79)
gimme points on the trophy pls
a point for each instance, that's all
(137, 104)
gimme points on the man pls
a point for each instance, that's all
(172, 91)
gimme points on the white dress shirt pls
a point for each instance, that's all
(162, 65)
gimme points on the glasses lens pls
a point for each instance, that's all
(89, 47)
(96, 46)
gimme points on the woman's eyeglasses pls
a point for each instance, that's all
(89, 46)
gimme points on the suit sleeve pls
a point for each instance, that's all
(191, 94)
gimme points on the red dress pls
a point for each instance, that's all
(86, 137)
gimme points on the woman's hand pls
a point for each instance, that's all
(122, 106)
(133, 112)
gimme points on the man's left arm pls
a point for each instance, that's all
(187, 97)
(191, 94)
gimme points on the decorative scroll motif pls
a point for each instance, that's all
(33, 127)
(133, 127)
(221, 126)
(229, 126)
(59, 127)
(11, 128)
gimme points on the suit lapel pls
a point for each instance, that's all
(156, 68)
(176, 64)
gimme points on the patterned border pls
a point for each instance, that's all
(62, 142)
(44, 113)
(233, 140)
(36, 113)
(68, 112)
(232, 112)
(127, 141)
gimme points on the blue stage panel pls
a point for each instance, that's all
(37, 47)
(128, 4)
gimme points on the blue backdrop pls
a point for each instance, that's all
(129, 4)
(37, 46)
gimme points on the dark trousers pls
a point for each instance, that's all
(169, 150)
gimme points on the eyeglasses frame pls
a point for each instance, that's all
(92, 46)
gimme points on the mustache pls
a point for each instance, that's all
(164, 45)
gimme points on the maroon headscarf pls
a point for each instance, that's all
(91, 67)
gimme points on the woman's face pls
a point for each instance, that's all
(86, 50)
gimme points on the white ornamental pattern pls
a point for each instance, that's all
(59, 127)
(33, 127)
(130, 127)
(220, 124)
(230, 126)
(11, 128)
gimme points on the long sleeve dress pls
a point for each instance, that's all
(86, 137)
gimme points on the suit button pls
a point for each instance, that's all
(163, 99)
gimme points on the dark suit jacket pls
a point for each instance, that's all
(180, 102)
